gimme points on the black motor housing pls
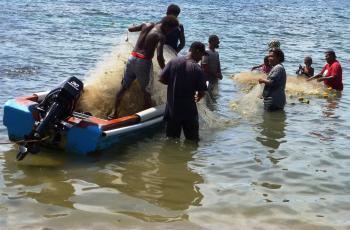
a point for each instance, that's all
(58, 105)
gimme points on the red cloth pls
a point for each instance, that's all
(266, 69)
(138, 55)
(335, 70)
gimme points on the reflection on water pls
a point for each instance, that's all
(38, 178)
(147, 183)
(272, 129)
(332, 104)
(164, 179)
(165, 171)
(160, 182)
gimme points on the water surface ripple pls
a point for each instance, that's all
(267, 171)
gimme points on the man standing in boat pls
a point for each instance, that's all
(175, 39)
(139, 65)
(186, 86)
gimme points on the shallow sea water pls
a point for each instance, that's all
(251, 170)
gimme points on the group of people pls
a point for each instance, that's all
(331, 73)
(275, 82)
(187, 81)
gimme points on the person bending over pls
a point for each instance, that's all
(139, 64)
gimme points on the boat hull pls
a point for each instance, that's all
(82, 134)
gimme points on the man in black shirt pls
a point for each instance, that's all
(186, 86)
(175, 39)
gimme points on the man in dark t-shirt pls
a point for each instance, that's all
(176, 38)
(186, 86)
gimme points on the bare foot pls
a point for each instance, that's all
(112, 116)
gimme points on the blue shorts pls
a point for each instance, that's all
(137, 68)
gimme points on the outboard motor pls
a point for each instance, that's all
(58, 105)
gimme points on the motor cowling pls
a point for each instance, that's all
(58, 105)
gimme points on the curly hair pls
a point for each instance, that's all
(331, 52)
(173, 10)
(308, 59)
(274, 44)
(278, 52)
(169, 21)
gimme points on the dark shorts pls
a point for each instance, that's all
(270, 106)
(137, 68)
(190, 129)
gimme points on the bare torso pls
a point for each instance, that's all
(150, 36)
(309, 71)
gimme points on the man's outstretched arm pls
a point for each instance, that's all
(136, 28)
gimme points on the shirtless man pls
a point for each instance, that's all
(139, 65)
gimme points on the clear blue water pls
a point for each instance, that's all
(288, 171)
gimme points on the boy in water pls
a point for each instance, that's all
(307, 70)
(139, 64)
(211, 64)
(175, 39)
(265, 67)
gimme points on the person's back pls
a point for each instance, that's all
(148, 40)
(176, 38)
(184, 78)
(139, 64)
(186, 86)
(173, 38)
(213, 62)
